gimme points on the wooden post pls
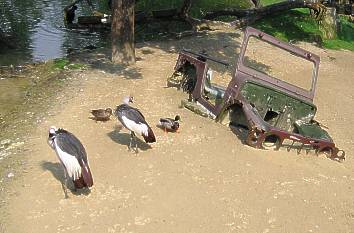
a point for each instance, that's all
(122, 30)
(328, 27)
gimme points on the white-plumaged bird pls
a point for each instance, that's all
(134, 120)
(72, 155)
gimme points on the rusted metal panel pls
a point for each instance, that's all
(276, 113)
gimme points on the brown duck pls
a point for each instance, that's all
(169, 125)
(101, 114)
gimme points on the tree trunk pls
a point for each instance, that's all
(186, 6)
(122, 30)
(328, 27)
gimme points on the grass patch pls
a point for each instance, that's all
(63, 63)
(297, 25)
(293, 25)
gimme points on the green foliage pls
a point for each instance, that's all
(294, 25)
(60, 63)
(269, 2)
(297, 25)
(198, 7)
(63, 63)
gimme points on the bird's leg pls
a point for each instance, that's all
(64, 185)
(136, 146)
(132, 135)
(131, 139)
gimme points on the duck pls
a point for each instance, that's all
(70, 14)
(133, 120)
(101, 114)
(169, 124)
(73, 158)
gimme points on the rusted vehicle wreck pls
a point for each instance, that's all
(271, 112)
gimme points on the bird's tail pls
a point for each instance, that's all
(150, 137)
(87, 176)
(85, 180)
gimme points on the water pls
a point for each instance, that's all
(38, 32)
(35, 32)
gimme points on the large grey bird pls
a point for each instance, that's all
(134, 120)
(72, 155)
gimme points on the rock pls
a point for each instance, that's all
(10, 175)
(5, 142)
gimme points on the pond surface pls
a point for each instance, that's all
(38, 32)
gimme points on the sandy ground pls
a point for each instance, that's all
(202, 179)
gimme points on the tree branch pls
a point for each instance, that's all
(267, 10)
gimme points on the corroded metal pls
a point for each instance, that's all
(276, 113)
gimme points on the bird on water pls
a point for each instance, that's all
(72, 155)
(132, 119)
(69, 14)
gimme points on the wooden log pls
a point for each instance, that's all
(165, 13)
(89, 20)
(263, 11)
(244, 16)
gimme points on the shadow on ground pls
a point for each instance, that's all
(124, 139)
(58, 172)
(100, 59)
(240, 132)
(221, 46)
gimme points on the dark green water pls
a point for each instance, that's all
(37, 32)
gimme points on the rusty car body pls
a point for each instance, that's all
(274, 113)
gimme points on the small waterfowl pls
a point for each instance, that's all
(169, 124)
(69, 14)
(134, 120)
(101, 114)
(72, 155)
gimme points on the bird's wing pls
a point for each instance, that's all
(98, 113)
(166, 120)
(131, 113)
(137, 112)
(71, 145)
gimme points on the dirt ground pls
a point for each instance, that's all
(202, 179)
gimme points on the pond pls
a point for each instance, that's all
(35, 32)
(38, 32)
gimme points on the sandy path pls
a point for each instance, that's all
(200, 180)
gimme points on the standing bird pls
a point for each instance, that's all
(169, 124)
(101, 114)
(134, 120)
(72, 155)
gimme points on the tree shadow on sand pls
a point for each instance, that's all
(221, 46)
(101, 59)
(58, 172)
(124, 139)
